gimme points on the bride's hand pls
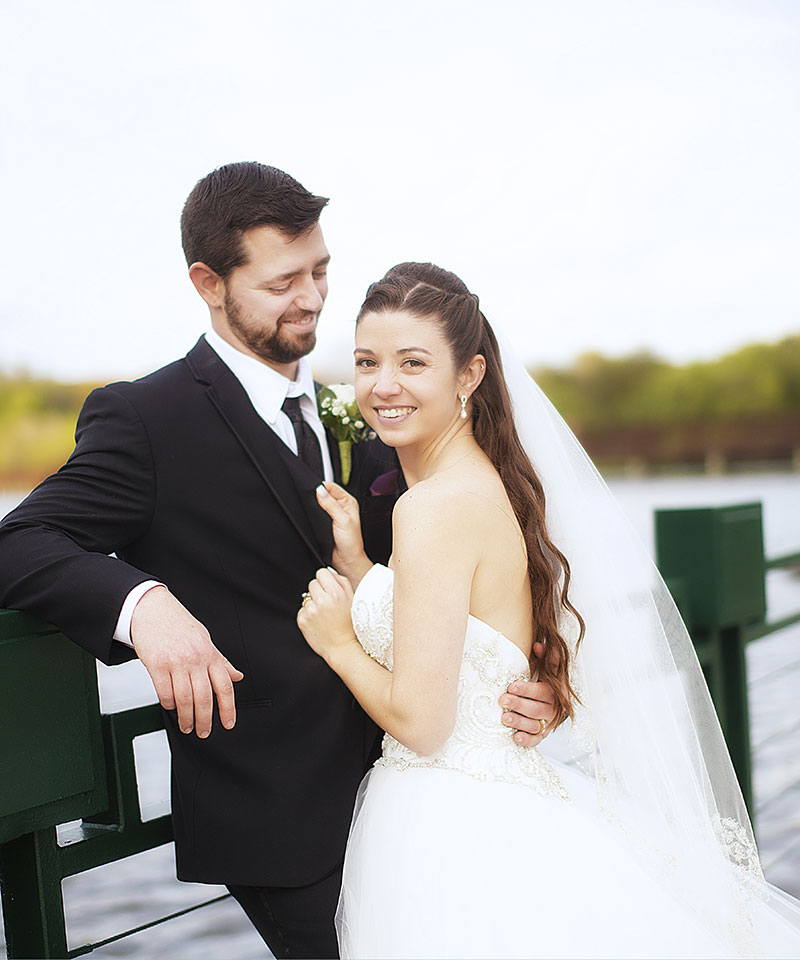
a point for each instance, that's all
(324, 617)
(348, 552)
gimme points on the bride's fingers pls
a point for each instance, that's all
(345, 500)
(333, 491)
(329, 581)
(315, 591)
(337, 492)
(328, 502)
(339, 508)
(343, 582)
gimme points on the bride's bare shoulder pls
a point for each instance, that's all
(430, 531)
(426, 499)
(442, 504)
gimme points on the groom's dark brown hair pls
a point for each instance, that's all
(235, 198)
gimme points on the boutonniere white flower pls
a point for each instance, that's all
(339, 412)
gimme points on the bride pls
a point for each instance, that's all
(635, 839)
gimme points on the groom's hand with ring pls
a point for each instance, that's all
(186, 668)
(528, 708)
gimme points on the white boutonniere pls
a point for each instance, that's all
(339, 412)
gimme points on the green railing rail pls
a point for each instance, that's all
(63, 761)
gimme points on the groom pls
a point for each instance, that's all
(200, 478)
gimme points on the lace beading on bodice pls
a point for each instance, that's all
(479, 745)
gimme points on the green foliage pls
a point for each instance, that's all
(23, 394)
(37, 416)
(643, 389)
(37, 425)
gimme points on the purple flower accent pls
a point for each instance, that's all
(384, 484)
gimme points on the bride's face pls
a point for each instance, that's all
(406, 385)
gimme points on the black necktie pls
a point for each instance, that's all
(307, 444)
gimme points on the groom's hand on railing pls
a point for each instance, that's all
(525, 705)
(186, 668)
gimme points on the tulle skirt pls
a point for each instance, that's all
(440, 864)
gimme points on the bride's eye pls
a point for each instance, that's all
(413, 363)
(365, 362)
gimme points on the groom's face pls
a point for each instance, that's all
(272, 301)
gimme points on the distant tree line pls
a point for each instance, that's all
(37, 426)
(745, 405)
(742, 406)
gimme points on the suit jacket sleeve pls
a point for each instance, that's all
(54, 547)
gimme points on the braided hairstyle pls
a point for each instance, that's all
(429, 292)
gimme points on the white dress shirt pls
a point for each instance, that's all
(266, 389)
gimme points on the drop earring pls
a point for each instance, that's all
(463, 406)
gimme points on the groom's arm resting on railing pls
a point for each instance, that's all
(54, 563)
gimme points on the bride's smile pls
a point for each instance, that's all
(395, 414)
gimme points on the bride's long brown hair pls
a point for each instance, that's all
(429, 292)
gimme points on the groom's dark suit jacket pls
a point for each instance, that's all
(179, 476)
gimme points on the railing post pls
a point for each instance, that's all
(33, 906)
(715, 557)
(737, 715)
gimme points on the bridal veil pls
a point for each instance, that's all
(646, 731)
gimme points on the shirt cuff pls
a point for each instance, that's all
(123, 631)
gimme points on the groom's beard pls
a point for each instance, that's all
(277, 345)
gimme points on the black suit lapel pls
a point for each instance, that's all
(289, 479)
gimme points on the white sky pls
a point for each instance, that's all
(605, 174)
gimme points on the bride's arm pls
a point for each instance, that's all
(434, 559)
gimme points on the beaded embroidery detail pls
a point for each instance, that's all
(479, 746)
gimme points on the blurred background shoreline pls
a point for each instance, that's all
(636, 415)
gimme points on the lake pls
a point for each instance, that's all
(126, 894)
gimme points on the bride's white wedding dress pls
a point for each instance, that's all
(488, 849)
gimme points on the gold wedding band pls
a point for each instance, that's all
(306, 597)
(542, 727)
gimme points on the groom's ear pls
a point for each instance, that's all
(208, 284)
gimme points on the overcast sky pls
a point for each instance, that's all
(605, 174)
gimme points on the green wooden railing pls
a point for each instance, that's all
(714, 564)
(63, 761)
